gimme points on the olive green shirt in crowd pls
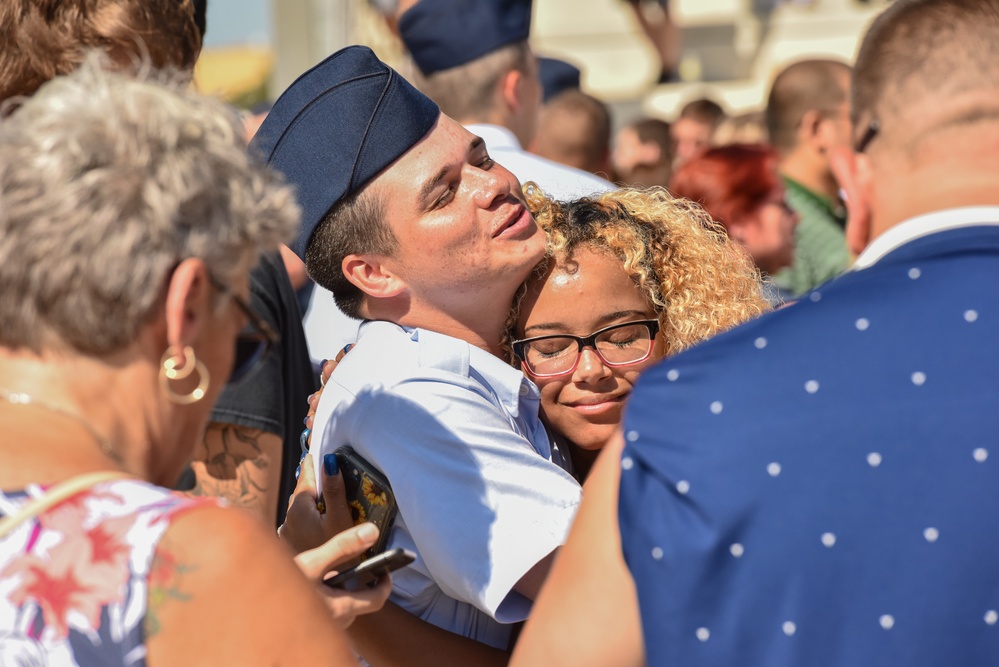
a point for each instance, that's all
(820, 252)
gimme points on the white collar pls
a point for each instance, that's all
(924, 225)
(495, 136)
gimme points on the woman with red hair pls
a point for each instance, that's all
(738, 185)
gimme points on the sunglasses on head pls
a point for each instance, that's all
(253, 342)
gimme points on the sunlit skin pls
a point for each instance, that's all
(689, 137)
(464, 235)
(578, 296)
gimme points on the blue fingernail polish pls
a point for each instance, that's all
(305, 422)
(322, 364)
(346, 348)
(303, 440)
(298, 471)
(329, 465)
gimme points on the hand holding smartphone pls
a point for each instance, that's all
(371, 570)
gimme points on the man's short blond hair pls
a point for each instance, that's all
(467, 93)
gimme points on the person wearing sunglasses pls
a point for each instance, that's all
(130, 217)
(631, 276)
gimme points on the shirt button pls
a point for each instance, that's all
(524, 390)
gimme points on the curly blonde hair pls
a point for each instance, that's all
(699, 281)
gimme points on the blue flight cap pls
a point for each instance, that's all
(557, 76)
(337, 126)
(441, 34)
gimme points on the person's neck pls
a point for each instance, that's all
(582, 460)
(81, 414)
(483, 327)
(934, 189)
(810, 171)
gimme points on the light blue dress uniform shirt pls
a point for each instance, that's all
(456, 431)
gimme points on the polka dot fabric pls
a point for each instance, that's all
(817, 487)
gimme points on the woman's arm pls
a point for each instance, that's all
(587, 613)
(224, 591)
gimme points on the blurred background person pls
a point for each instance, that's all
(130, 215)
(808, 117)
(694, 128)
(738, 185)
(653, 16)
(42, 39)
(749, 127)
(557, 76)
(474, 61)
(575, 130)
(643, 154)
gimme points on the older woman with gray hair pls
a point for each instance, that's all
(130, 216)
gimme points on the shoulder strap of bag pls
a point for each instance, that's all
(54, 496)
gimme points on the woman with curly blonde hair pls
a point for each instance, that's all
(631, 276)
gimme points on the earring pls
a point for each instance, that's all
(169, 371)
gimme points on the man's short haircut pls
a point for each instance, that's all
(922, 50)
(801, 87)
(575, 130)
(354, 226)
(654, 130)
(704, 111)
(43, 39)
(467, 92)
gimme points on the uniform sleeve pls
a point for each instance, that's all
(481, 505)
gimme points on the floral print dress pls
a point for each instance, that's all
(75, 581)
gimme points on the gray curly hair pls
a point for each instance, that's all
(107, 182)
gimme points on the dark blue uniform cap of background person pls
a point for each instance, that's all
(337, 126)
(557, 76)
(441, 34)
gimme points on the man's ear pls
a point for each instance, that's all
(853, 173)
(512, 89)
(373, 274)
(810, 129)
(189, 298)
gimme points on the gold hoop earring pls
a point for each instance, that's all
(169, 370)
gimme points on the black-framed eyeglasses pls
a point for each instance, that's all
(865, 140)
(253, 342)
(617, 345)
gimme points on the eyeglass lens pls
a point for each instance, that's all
(616, 346)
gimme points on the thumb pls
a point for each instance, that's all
(315, 563)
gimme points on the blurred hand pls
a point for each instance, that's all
(846, 167)
(307, 525)
(343, 548)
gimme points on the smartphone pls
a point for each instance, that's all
(369, 495)
(371, 570)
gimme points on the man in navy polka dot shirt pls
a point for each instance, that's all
(821, 486)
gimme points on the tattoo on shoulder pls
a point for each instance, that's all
(232, 463)
(166, 585)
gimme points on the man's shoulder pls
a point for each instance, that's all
(555, 179)
(387, 355)
(891, 320)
